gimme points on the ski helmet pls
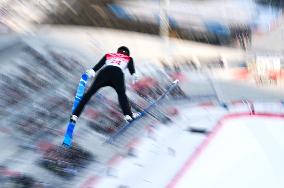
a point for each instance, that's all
(123, 50)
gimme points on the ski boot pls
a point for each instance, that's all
(128, 118)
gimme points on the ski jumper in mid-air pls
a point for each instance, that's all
(109, 71)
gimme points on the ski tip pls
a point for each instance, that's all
(176, 81)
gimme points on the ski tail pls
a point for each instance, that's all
(127, 125)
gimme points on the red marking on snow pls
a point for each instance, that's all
(91, 182)
(192, 158)
(133, 143)
(115, 160)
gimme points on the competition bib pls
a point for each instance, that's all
(118, 60)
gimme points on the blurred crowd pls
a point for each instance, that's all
(65, 162)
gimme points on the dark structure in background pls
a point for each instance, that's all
(98, 13)
(278, 3)
(110, 14)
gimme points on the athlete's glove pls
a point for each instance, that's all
(90, 73)
(134, 78)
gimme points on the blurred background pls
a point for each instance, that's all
(227, 55)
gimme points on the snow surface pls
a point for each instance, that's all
(245, 152)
